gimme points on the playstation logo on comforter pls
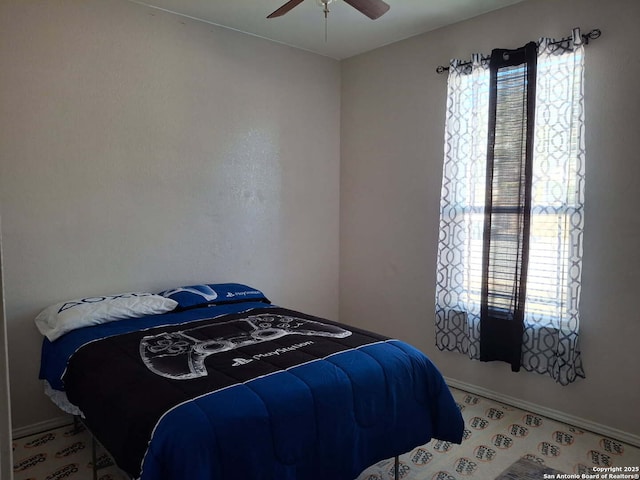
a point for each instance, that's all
(181, 355)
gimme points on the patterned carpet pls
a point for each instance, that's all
(497, 437)
(64, 453)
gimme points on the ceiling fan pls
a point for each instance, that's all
(371, 8)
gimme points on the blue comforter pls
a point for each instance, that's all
(256, 393)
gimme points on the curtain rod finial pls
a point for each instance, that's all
(592, 35)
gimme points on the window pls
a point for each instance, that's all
(550, 340)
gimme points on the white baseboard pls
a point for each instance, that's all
(582, 423)
(40, 427)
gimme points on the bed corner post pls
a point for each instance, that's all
(94, 457)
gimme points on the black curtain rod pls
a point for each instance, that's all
(574, 38)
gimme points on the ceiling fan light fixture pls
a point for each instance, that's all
(371, 8)
(325, 6)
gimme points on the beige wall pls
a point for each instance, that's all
(393, 106)
(141, 150)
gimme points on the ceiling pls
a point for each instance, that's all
(349, 32)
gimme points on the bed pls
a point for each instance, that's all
(215, 382)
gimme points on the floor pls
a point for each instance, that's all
(496, 436)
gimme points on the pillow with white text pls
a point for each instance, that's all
(63, 317)
(202, 295)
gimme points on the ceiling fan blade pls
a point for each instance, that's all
(371, 8)
(285, 8)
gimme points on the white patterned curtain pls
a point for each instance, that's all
(550, 339)
(459, 267)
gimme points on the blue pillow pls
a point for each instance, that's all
(213, 294)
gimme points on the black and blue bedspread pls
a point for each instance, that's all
(260, 392)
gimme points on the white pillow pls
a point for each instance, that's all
(61, 318)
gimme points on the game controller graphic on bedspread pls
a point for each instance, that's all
(181, 355)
